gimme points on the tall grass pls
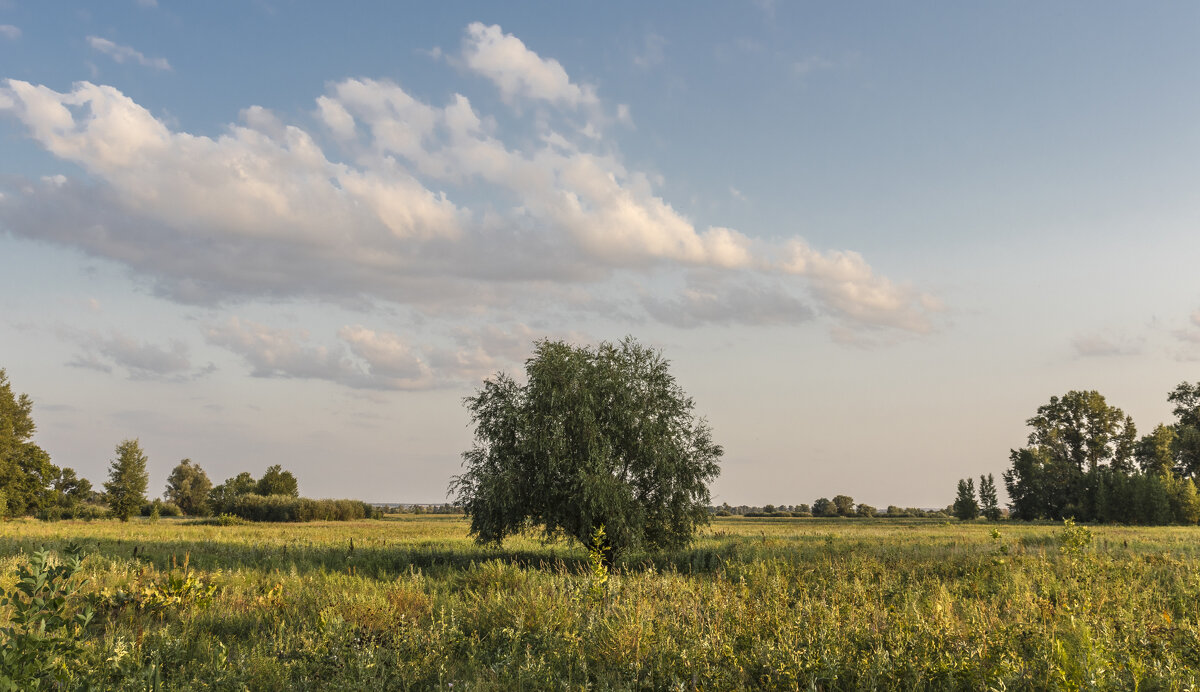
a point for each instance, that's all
(412, 603)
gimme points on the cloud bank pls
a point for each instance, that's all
(385, 198)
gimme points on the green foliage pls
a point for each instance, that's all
(599, 558)
(596, 436)
(276, 481)
(45, 626)
(824, 507)
(127, 480)
(752, 604)
(865, 510)
(177, 590)
(843, 505)
(965, 507)
(1083, 431)
(188, 487)
(255, 507)
(222, 497)
(162, 509)
(1074, 539)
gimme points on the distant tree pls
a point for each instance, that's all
(1072, 437)
(824, 507)
(276, 481)
(127, 480)
(865, 510)
(1155, 452)
(965, 507)
(1185, 504)
(222, 497)
(71, 489)
(802, 508)
(1186, 398)
(989, 505)
(844, 504)
(1186, 446)
(595, 437)
(188, 486)
(1083, 430)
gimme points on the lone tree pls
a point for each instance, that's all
(595, 437)
(188, 486)
(127, 479)
(965, 507)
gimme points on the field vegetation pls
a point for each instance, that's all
(412, 602)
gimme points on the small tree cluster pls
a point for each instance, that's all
(1085, 461)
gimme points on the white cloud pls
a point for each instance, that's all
(847, 287)
(419, 205)
(122, 54)
(519, 72)
(10, 32)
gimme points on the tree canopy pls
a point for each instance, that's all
(595, 437)
(188, 486)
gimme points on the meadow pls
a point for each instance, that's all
(410, 602)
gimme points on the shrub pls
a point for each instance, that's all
(286, 508)
(43, 633)
(165, 509)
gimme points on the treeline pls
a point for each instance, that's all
(31, 485)
(839, 506)
(1085, 460)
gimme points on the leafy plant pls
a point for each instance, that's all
(46, 626)
(598, 554)
(1074, 539)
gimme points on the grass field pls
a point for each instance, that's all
(412, 603)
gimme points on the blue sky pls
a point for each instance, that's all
(871, 238)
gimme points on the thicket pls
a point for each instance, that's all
(255, 507)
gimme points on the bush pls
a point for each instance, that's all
(41, 640)
(165, 509)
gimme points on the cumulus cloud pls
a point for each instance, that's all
(390, 198)
(123, 54)
(520, 72)
(10, 32)
(847, 287)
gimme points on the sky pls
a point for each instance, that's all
(871, 238)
